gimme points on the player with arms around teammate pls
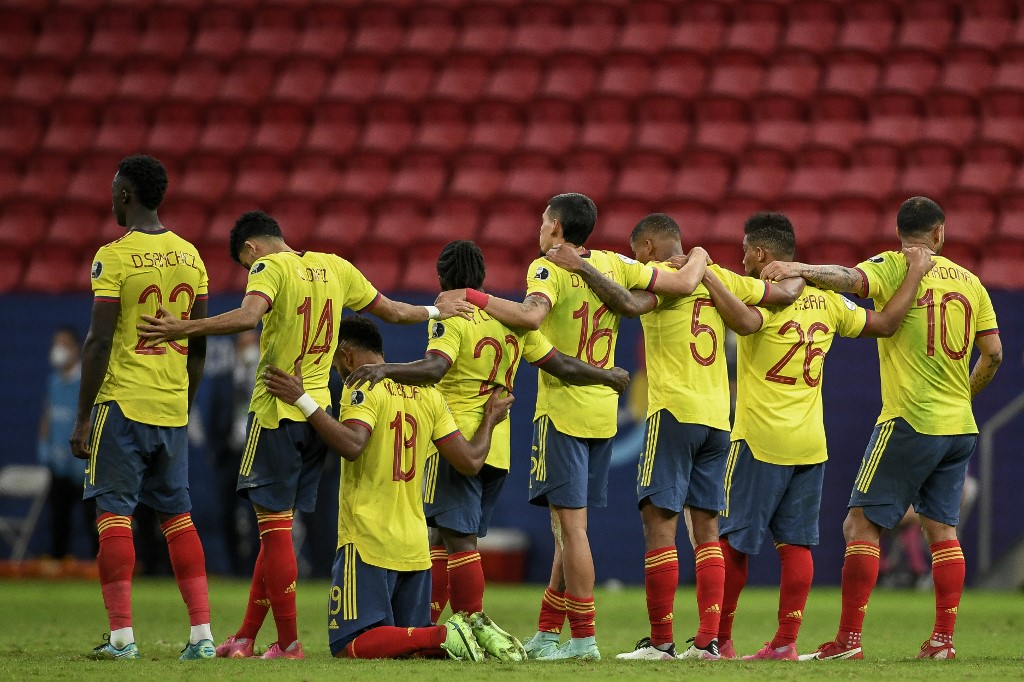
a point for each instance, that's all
(926, 432)
(777, 459)
(380, 597)
(469, 360)
(134, 401)
(574, 425)
(299, 297)
(683, 463)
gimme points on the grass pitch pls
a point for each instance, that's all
(48, 627)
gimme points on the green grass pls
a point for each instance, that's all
(47, 627)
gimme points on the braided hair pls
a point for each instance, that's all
(461, 265)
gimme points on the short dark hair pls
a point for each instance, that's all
(252, 224)
(147, 176)
(658, 224)
(362, 332)
(918, 215)
(461, 265)
(577, 213)
(771, 231)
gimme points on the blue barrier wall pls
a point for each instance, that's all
(851, 396)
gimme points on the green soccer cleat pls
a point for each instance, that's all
(460, 642)
(109, 652)
(541, 644)
(199, 651)
(495, 641)
(581, 649)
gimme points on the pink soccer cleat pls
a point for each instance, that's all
(768, 653)
(234, 647)
(293, 651)
(835, 650)
(937, 650)
(727, 650)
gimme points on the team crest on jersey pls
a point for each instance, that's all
(542, 273)
(626, 259)
(257, 269)
(877, 259)
(437, 331)
(97, 268)
(849, 304)
(357, 398)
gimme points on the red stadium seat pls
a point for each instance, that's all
(334, 129)
(678, 75)
(407, 79)
(1000, 119)
(420, 177)
(94, 81)
(420, 273)
(365, 176)
(590, 173)
(381, 265)
(20, 129)
(485, 30)
(461, 79)
(851, 221)
(45, 177)
(615, 221)
(552, 127)
(592, 30)
(645, 177)
(779, 124)
(53, 271)
(970, 217)
(185, 218)
(837, 122)
(726, 227)
(388, 130)
(175, 130)
(301, 81)
(228, 129)
(912, 73)
(762, 174)
(1011, 214)
(812, 26)
(218, 229)
(226, 276)
(281, 129)
(950, 119)
(247, 81)
(324, 34)
(220, 34)
(72, 128)
(817, 174)
(539, 31)
(986, 169)
(313, 178)
(700, 29)
(986, 34)
(442, 128)
(663, 126)
(869, 27)
(828, 251)
(607, 126)
(23, 224)
(432, 32)
(872, 174)
(792, 74)
(998, 272)
(735, 74)
(703, 176)
(205, 179)
(1008, 77)
(62, 36)
(496, 127)
(966, 73)
(624, 75)
(11, 267)
(144, 82)
(10, 177)
(516, 79)
(297, 218)
(74, 226)
(272, 33)
(513, 225)
(259, 178)
(721, 125)
(477, 176)
(377, 30)
(807, 216)
(115, 35)
(852, 74)
(197, 81)
(90, 182)
(122, 130)
(166, 34)
(928, 35)
(532, 177)
(894, 119)
(646, 28)
(756, 28)
(355, 80)
(398, 224)
(505, 273)
(929, 171)
(693, 217)
(38, 83)
(570, 77)
(343, 224)
(455, 218)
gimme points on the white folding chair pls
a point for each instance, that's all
(23, 481)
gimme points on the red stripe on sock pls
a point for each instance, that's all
(860, 573)
(116, 563)
(189, 563)
(710, 566)
(948, 571)
(552, 612)
(280, 572)
(466, 582)
(661, 576)
(581, 612)
(438, 581)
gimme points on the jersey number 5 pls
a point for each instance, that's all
(153, 290)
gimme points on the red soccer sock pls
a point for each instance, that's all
(797, 575)
(552, 612)
(116, 562)
(860, 572)
(438, 581)
(735, 581)
(580, 611)
(661, 576)
(259, 604)
(280, 571)
(948, 568)
(466, 582)
(388, 641)
(189, 563)
(710, 562)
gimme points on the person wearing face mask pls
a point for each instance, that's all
(54, 430)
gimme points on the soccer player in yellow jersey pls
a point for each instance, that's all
(468, 360)
(776, 463)
(299, 297)
(379, 605)
(926, 432)
(574, 425)
(683, 463)
(134, 401)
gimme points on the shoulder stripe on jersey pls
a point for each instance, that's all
(444, 439)
(867, 321)
(545, 296)
(376, 299)
(654, 278)
(544, 359)
(261, 295)
(864, 279)
(108, 299)
(767, 288)
(358, 422)
(987, 332)
(758, 314)
(434, 351)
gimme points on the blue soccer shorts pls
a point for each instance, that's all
(682, 465)
(566, 471)
(785, 499)
(902, 467)
(457, 502)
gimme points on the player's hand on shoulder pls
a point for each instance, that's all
(284, 386)
(776, 271)
(618, 379)
(453, 303)
(80, 439)
(698, 252)
(678, 262)
(919, 259)
(498, 404)
(160, 328)
(565, 257)
(368, 375)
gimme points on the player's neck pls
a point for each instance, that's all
(923, 243)
(145, 222)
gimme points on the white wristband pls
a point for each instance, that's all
(432, 312)
(306, 405)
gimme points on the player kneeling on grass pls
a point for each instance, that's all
(380, 597)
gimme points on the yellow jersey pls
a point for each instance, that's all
(142, 271)
(925, 366)
(306, 292)
(779, 374)
(580, 325)
(686, 367)
(484, 356)
(380, 500)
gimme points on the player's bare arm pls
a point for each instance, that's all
(426, 372)
(574, 371)
(468, 456)
(784, 292)
(737, 315)
(885, 322)
(683, 281)
(527, 315)
(196, 360)
(618, 298)
(403, 313)
(831, 277)
(165, 326)
(991, 348)
(95, 358)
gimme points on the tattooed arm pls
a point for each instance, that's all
(832, 277)
(991, 348)
(625, 302)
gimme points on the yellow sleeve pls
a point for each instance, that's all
(633, 274)
(360, 294)
(541, 279)
(883, 274)
(765, 314)
(536, 348)
(446, 339)
(986, 315)
(748, 289)
(445, 427)
(266, 277)
(204, 279)
(107, 275)
(850, 317)
(360, 407)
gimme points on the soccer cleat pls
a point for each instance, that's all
(201, 650)
(541, 644)
(708, 653)
(582, 649)
(293, 651)
(770, 653)
(495, 641)
(834, 651)
(726, 650)
(938, 650)
(460, 642)
(645, 651)
(234, 647)
(109, 652)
